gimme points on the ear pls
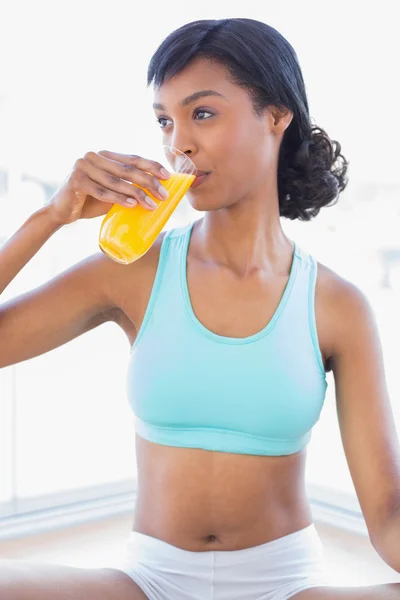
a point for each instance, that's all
(280, 119)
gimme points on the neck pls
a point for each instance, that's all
(244, 240)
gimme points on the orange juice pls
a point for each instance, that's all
(127, 233)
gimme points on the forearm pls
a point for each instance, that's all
(387, 543)
(24, 244)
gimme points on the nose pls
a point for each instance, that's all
(183, 142)
(184, 148)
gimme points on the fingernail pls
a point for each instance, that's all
(131, 201)
(163, 192)
(151, 202)
(165, 173)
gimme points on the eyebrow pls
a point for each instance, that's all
(192, 98)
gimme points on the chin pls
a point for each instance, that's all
(204, 203)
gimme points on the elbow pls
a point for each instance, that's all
(386, 541)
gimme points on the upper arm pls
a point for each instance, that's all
(364, 410)
(58, 311)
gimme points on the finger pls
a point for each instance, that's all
(114, 175)
(114, 184)
(136, 169)
(144, 164)
(84, 184)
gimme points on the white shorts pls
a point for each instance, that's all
(273, 571)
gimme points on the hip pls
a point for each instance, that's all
(277, 569)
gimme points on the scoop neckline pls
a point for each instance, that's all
(227, 339)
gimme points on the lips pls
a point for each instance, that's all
(200, 177)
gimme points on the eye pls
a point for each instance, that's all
(163, 122)
(200, 112)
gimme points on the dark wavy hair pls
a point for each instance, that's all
(311, 168)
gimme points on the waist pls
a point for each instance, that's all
(200, 500)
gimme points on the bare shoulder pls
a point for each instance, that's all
(341, 304)
(343, 296)
(130, 287)
(330, 285)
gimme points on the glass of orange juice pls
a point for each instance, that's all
(127, 233)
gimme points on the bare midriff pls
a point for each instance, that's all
(201, 500)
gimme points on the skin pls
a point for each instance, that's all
(241, 251)
(191, 498)
(241, 230)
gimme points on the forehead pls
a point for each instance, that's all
(201, 74)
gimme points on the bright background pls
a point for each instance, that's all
(72, 79)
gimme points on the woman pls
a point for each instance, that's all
(232, 332)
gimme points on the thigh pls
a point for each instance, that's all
(372, 592)
(23, 580)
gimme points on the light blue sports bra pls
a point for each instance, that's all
(192, 388)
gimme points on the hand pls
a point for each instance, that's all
(100, 180)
